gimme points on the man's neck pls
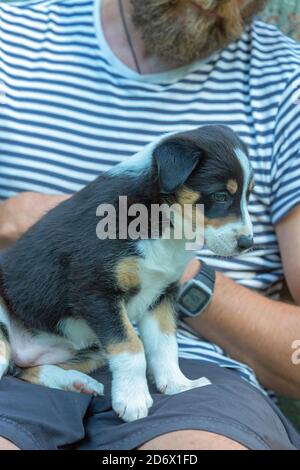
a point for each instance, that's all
(115, 35)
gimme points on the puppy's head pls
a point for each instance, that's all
(210, 166)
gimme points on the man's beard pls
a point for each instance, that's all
(179, 33)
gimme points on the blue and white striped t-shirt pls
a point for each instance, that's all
(70, 109)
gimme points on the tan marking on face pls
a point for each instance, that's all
(164, 314)
(131, 344)
(186, 195)
(232, 186)
(127, 273)
(217, 223)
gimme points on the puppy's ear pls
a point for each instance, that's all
(176, 158)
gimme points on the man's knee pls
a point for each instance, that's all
(192, 439)
(7, 445)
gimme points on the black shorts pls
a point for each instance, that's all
(36, 417)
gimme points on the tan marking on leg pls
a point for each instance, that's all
(217, 223)
(132, 344)
(31, 375)
(86, 366)
(232, 186)
(165, 315)
(251, 186)
(127, 273)
(186, 195)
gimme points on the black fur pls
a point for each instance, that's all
(175, 160)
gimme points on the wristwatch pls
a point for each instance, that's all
(196, 294)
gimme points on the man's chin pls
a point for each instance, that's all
(186, 52)
(166, 35)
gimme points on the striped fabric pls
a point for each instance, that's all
(70, 109)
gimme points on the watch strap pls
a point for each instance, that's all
(206, 275)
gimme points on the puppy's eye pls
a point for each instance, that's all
(220, 197)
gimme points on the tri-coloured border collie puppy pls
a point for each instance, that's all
(68, 299)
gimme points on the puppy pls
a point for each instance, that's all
(69, 298)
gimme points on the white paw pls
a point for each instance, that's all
(170, 385)
(70, 380)
(82, 383)
(132, 404)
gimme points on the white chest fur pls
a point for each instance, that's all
(163, 263)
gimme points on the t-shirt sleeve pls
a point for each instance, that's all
(285, 171)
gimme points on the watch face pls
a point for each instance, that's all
(194, 299)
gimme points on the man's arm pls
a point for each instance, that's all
(19, 213)
(255, 329)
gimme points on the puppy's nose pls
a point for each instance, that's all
(244, 243)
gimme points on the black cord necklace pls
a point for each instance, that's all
(128, 36)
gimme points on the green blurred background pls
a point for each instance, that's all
(286, 15)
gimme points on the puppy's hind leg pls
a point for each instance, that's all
(69, 376)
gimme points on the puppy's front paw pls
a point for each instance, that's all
(133, 404)
(176, 383)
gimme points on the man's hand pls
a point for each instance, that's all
(19, 213)
(191, 271)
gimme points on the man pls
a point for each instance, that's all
(85, 84)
